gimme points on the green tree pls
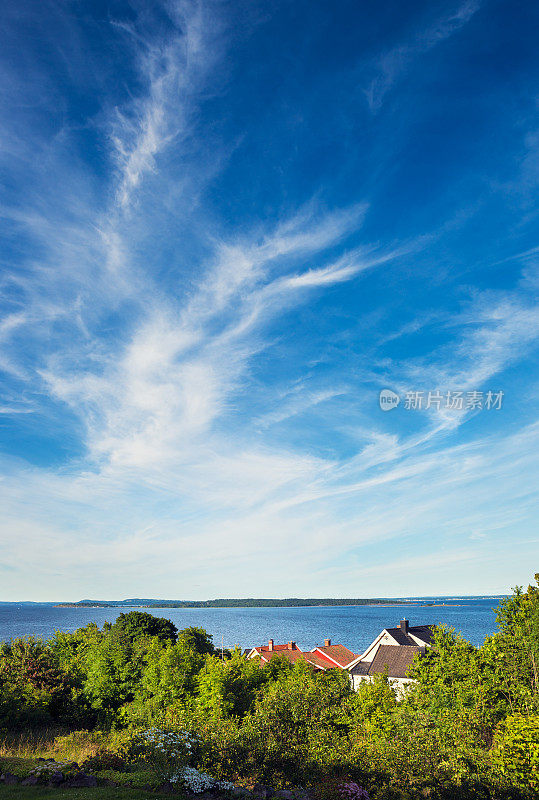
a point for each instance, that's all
(513, 652)
(447, 672)
(516, 750)
(228, 688)
(32, 687)
(199, 640)
(113, 671)
(137, 624)
(167, 683)
(296, 731)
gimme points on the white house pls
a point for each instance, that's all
(393, 652)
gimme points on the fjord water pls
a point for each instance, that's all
(353, 626)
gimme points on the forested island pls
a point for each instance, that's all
(137, 703)
(235, 603)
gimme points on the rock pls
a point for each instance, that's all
(284, 794)
(81, 781)
(240, 791)
(56, 778)
(9, 779)
(167, 787)
(31, 780)
(261, 792)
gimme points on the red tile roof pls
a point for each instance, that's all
(289, 654)
(265, 648)
(335, 655)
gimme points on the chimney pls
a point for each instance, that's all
(327, 642)
(270, 644)
(291, 645)
(404, 625)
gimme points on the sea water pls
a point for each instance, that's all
(353, 626)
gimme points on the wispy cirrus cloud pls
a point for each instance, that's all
(173, 72)
(392, 65)
(218, 377)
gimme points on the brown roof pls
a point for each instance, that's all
(337, 652)
(396, 660)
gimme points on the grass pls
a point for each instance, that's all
(28, 744)
(55, 743)
(100, 793)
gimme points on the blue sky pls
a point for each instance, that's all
(226, 227)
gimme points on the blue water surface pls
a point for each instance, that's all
(353, 626)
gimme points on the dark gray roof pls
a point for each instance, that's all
(361, 668)
(423, 632)
(397, 660)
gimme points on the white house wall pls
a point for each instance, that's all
(399, 684)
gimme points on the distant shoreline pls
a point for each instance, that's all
(262, 604)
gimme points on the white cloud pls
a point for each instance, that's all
(179, 486)
(393, 64)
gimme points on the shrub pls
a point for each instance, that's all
(165, 752)
(139, 779)
(104, 759)
(79, 744)
(515, 750)
(339, 789)
(46, 769)
(350, 790)
(197, 782)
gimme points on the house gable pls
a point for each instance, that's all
(417, 637)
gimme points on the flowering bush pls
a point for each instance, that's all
(165, 752)
(352, 791)
(198, 782)
(339, 788)
(46, 769)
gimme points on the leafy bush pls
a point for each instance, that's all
(165, 752)
(350, 790)
(104, 759)
(339, 789)
(515, 751)
(139, 778)
(79, 744)
(33, 690)
(46, 769)
(198, 782)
